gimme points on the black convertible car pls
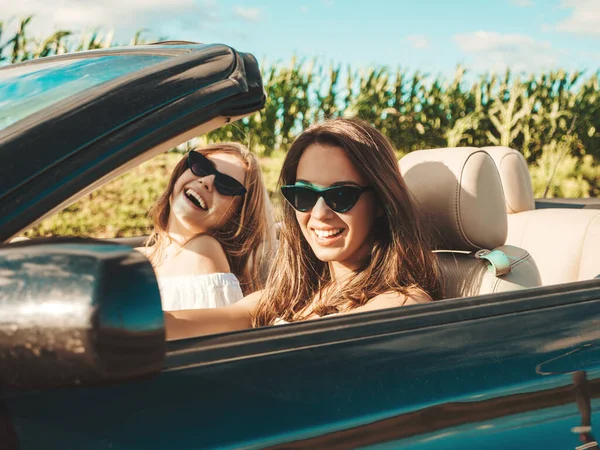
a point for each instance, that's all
(511, 359)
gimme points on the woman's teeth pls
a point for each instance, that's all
(323, 234)
(195, 198)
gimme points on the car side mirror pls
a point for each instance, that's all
(77, 312)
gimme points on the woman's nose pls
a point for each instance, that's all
(208, 182)
(321, 210)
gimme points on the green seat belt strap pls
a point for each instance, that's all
(499, 264)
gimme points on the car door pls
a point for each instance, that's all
(506, 370)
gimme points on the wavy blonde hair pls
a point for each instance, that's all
(400, 260)
(247, 237)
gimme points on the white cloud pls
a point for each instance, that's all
(491, 51)
(418, 40)
(584, 17)
(249, 14)
(522, 3)
(304, 9)
(174, 19)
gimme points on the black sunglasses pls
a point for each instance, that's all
(201, 166)
(339, 198)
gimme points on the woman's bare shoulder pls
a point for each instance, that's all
(417, 297)
(200, 255)
(203, 243)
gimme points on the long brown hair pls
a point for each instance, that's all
(247, 237)
(400, 260)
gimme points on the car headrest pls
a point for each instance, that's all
(460, 194)
(515, 178)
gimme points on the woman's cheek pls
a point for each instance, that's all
(302, 219)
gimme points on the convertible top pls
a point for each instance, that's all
(136, 99)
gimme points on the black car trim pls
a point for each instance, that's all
(245, 344)
(8, 433)
(567, 203)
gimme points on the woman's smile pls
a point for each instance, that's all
(196, 199)
(327, 236)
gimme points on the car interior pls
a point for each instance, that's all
(460, 194)
(564, 242)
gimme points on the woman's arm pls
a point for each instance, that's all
(200, 322)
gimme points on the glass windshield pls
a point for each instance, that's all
(28, 89)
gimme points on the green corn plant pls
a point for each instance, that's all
(461, 128)
(3, 45)
(326, 102)
(372, 97)
(20, 42)
(94, 40)
(53, 45)
(510, 106)
(137, 37)
(557, 173)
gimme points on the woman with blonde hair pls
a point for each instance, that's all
(213, 229)
(351, 239)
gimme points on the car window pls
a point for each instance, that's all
(118, 209)
(28, 89)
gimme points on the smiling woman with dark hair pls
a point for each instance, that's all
(350, 241)
(212, 229)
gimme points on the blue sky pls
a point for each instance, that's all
(432, 36)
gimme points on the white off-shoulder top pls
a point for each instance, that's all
(199, 291)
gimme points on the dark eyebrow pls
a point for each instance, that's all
(337, 183)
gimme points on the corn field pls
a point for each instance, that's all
(552, 118)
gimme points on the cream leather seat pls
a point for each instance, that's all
(564, 242)
(459, 192)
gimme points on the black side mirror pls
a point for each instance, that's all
(77, 312)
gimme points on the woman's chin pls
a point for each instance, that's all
(328, 254)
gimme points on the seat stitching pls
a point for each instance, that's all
(457, 205)
(517, 261)
(523, 172)
(499, 167)
(522, 260)
(583, 242)
(525, 227)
